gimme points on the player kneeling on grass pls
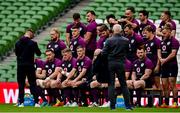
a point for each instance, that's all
(141, 75)
(52, 81)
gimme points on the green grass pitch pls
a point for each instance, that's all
(11, 108)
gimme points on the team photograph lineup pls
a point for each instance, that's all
(124, 62)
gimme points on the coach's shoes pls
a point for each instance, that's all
(175, 105)
(21, 105)
(67, 104)
(94, 104)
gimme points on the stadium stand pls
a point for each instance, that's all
(18, 15)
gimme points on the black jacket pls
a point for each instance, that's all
(25, 49)
(100, 69)
(116, 47)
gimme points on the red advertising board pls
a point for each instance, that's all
(9, 93)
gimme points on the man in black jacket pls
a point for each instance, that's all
(116, 48)
(25, 48)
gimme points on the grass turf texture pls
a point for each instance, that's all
(11, 108)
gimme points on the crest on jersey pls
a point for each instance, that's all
(152, 44)
(79, 69)
(82, 63)
(49, 46)
(75, 42)
(135, 65)
(142, 64)
(53, 65)
(63, 65)
(168, 43)
(132, 41)
(46, 66)
(69, 65)
(56, 46)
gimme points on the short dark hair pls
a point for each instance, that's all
(110, 16)
(104, 27)
(50, 50)
(148, 28)
(129, 26)
(141, 47)
(92, 12)
(131, 9)
(167, 13)
(75, 27)
(144, 12)
(76, 16)
(80, 47)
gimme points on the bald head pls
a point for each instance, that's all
(117, 29)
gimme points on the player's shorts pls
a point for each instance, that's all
(169, 70)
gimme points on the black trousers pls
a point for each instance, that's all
(117, 67)
(22, 72)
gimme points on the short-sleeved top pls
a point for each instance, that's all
(151, 47)
(142, 26)
(67, 66)
(91, 27)
(81, 26)
(134, 42)
(39, 64)
(101, 42)
(50, 66)
(74, 43)
(137, 23)
(161, 25)
(57, 46)
(167, 45)
(127, 65)
(83, 63)
(139, 67)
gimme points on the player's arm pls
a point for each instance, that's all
(40, 73)
(71, 74)
(68, 39)
(171, 55)
(81, 75)
(55, 73)
(133, 76)
(158, 32)
(146, 74)
(87, 37)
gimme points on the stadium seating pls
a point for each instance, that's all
(16, 16)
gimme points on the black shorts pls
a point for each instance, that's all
(169, 70)
(148, 83)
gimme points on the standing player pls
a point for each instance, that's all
(76, 40)
(166, 18)
(56, 44)
(143, 17)
(141, 75)
(129, 19)
(91, 34)
(104, 35)
(152, 45)
(25, 49)
(169, 67)
(135, 42)
(81, 26)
